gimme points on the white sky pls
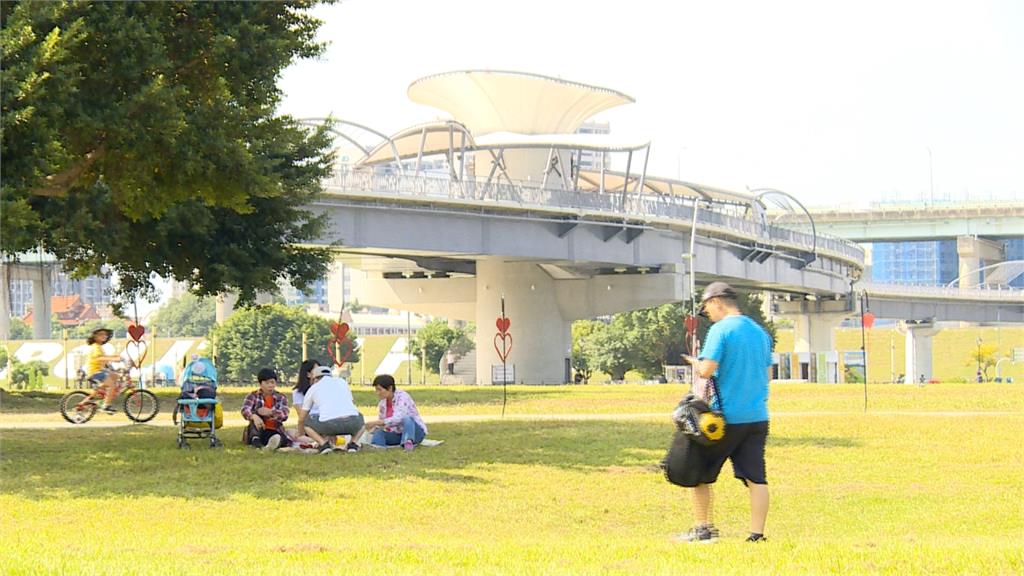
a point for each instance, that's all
(834, 103)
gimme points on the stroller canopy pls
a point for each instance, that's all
(199, 373)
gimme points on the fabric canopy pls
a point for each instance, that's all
(489, 101)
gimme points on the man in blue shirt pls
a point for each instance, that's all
(738, 353)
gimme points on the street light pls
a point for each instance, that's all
(979, 359)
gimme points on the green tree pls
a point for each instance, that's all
(143, 135)
(437, 337)
(187, 315)
(271, 336)
(28, 375)
(82, 331)
(583, 332)
(648, 339)
(3, 356)
(20, 330)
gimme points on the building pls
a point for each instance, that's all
(70, 311)
(929, 262)
(94, 290)
(593, 159)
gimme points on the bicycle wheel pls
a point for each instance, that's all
(141, 405)
(76, 407)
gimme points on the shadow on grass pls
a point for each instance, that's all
(144, 461)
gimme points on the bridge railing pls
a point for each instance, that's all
(728, 218)
(942, 292)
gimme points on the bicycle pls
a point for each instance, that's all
(139, 405)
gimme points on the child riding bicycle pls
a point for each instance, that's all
(96, 366)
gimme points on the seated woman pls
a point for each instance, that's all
(266, 409)
(398, 419)
(299, 391)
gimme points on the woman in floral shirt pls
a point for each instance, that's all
(398, 421)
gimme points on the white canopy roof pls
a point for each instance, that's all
(435, 140)
(489, 101)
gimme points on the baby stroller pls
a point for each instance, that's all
(199, 412)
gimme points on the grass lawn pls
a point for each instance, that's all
(896, 491)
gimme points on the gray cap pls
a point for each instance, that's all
(321, 371)
(718, 290)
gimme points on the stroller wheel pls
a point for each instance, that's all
(216, 443)
(182, 443)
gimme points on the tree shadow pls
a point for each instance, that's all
(144, 460)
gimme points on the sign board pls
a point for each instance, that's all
(503, 374)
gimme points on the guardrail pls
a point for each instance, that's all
(941, 292)
(728, 218)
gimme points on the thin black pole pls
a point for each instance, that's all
(504, 365)
(863, 346)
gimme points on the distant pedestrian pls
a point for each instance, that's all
(450, 359)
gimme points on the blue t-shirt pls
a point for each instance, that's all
(743, 351)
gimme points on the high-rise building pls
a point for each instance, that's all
(930, 263)
(592, 159)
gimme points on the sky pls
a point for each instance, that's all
(838, 104)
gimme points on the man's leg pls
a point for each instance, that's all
(758, 507)
(703, 505)
(255, 436)
(312, 433)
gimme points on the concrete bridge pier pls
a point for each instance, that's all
(815, 332)
(5, 306)
(41, 310)
(541, 336)
(918, 349)
(975, 253)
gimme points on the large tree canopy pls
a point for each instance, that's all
(187, 315)
(143, 135)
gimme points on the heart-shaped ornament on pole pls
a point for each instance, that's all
(136, 351)
(135, 332)
(503, 346)
(339, 347)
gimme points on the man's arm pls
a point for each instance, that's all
(705, 368)
(302, 421)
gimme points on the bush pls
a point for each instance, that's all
(271, 336)
(29, 375)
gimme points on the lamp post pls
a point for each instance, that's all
(979, 358)
(931, 179)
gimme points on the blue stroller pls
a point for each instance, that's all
(199, 412)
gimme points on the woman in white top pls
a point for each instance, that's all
(299, 395)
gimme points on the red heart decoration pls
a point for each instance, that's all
(136, 331)
(339, 330)
(503, 323)
(690, 323)
(506, 344)
(340, 350)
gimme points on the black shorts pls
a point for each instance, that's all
(744, 446)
